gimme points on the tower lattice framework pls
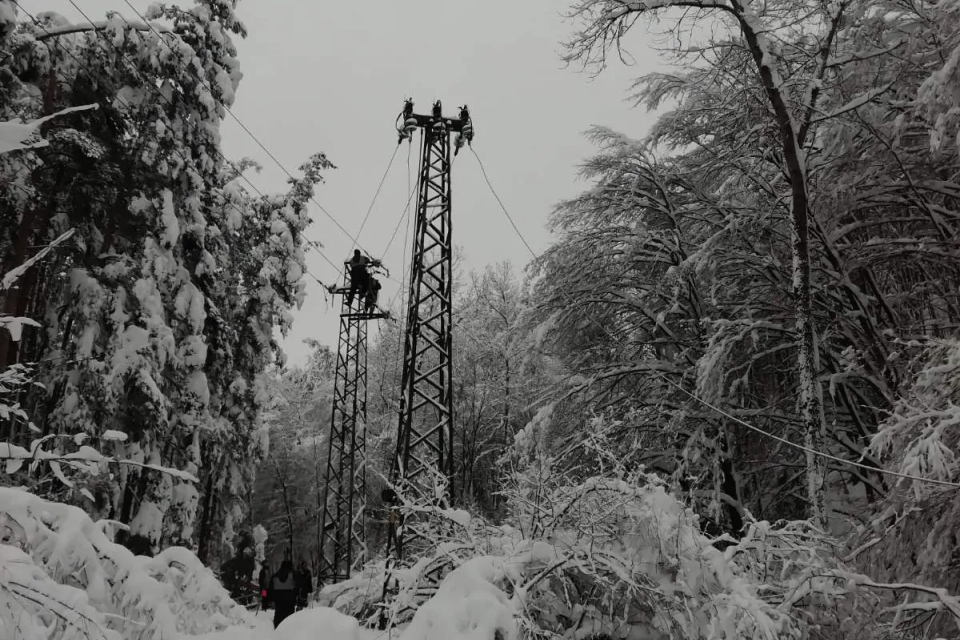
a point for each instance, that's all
(343, 533)
(424, 455)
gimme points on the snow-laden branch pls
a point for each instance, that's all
(15, 456)
(861, 100)
(14, 135)
(652, 5)
(945, 601)
(136, 25)
(11, 276)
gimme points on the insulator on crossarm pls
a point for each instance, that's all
(466, 130)
(409, 122)
(406, 131)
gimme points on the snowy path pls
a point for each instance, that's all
(319, 623)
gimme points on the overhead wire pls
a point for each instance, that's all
(405, 213)
(500, 202)
(312, 244)
(127, 104)
(411, 190)
(379, 187)
(704, 402)
(403, 256)
(243, 126)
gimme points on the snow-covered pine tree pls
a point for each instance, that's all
(159, 320)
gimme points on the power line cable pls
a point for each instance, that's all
(500, 202)
(407, 253)
(182, 157)
(404, 215)
(403, 256)
(242, 125)
(270, 154)
(706, 403)
(312, 244)
(413, 187)
(379, 187)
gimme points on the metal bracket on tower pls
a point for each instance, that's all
(343, 547)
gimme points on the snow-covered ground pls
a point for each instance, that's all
(318, 623)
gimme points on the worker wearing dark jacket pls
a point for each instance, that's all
(373, 294)
(359, 277)
(304, 586)
(282, 593)
(264, 583)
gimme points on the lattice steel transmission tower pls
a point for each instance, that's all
(424, 437)
(342, 536)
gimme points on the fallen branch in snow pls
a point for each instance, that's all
(945, 600)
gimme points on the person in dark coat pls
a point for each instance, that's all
(373, 294)
(304, 586)
(359, 277)
(264, 582)
(282, 593)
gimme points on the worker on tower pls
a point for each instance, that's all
(373, 294)
(359, 277)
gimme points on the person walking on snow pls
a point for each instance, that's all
(264, 582)
(304, 586)
(282, 592)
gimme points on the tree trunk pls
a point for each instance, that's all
(811, 406)
(34, 219)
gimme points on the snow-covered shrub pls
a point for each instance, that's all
(70, 572)
(802, 572)
(914, 537)
(617, 557)
(35, 607)
(922, 433)
(359, 595)
(471, 604)
(628, 558)
(318, 624)
(443, 539)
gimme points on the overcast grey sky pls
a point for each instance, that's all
(331, 76)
